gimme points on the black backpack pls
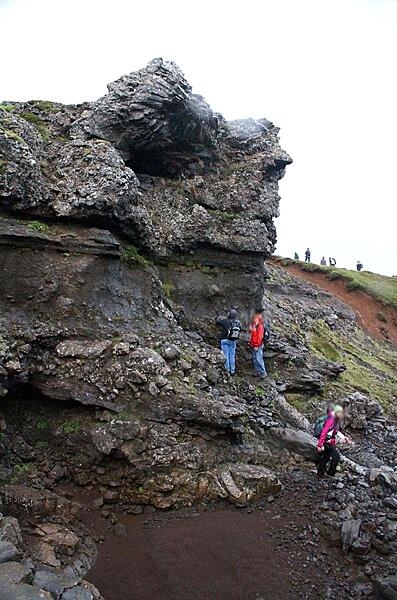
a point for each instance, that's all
(234, 331)
(266, 333)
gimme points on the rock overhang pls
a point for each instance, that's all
(142, 159)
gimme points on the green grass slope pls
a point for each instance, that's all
(380, 287)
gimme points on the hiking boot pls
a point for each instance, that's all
(264, 376)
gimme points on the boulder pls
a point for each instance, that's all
(14, 572)
(77, 593)
(385, 588)
(290, 414)
(92, 181)
(148, 362)
(22, 182)
(22, 591)
(298, 442)
(246, 483)
(171, 351)
(8, 552)
(386, 476)
(359, 409)
(44, 553)
(350, 533)
(10, 531)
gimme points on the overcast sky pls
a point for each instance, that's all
(322, 70)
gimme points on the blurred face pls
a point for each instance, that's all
(339, 414)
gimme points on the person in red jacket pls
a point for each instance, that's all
(258, 333)
(330, 435)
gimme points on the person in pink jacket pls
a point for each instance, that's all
(330, 435)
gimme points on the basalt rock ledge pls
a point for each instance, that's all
(128, 223)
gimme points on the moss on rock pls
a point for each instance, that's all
(371, 366)
(38, 123)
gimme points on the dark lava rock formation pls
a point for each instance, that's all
(127, 225)
(104, 318)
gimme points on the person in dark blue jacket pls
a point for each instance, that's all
(230, 333)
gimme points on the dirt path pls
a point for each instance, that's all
(366, 308)
(270, 553)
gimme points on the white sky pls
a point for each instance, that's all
(323, 70)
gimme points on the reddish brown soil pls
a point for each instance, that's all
(366, 307)
(270, 552)
(222, 555)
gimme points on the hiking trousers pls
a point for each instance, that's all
(258, 361)
(228, 348)
(330, 455)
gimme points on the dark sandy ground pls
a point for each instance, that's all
(271, 552)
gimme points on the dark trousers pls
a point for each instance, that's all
(330, 455)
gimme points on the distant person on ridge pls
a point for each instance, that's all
(359, 265)
(327, 430)
(308, 255)
(230, 333)
(323, 262)
(259, 334)
(296, 256)
(332, 262)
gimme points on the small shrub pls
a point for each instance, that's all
(312, 268)
(71, 427)
(287, 261)
(3, 166)
(382, 317)
(42, 445)
(23, 468)
(353, 285)
(38, 226)
(44, 105)
(168, 289)
(118, 319)
(42, 424)
(131, 255)
(333, 275)
(7, 107)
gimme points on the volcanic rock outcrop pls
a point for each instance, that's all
(127, 225)
(130, 220)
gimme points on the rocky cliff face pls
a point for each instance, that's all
(128, 224)
(93, 316)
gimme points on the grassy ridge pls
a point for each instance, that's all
(380, 287)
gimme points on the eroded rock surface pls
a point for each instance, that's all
(128, 225)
